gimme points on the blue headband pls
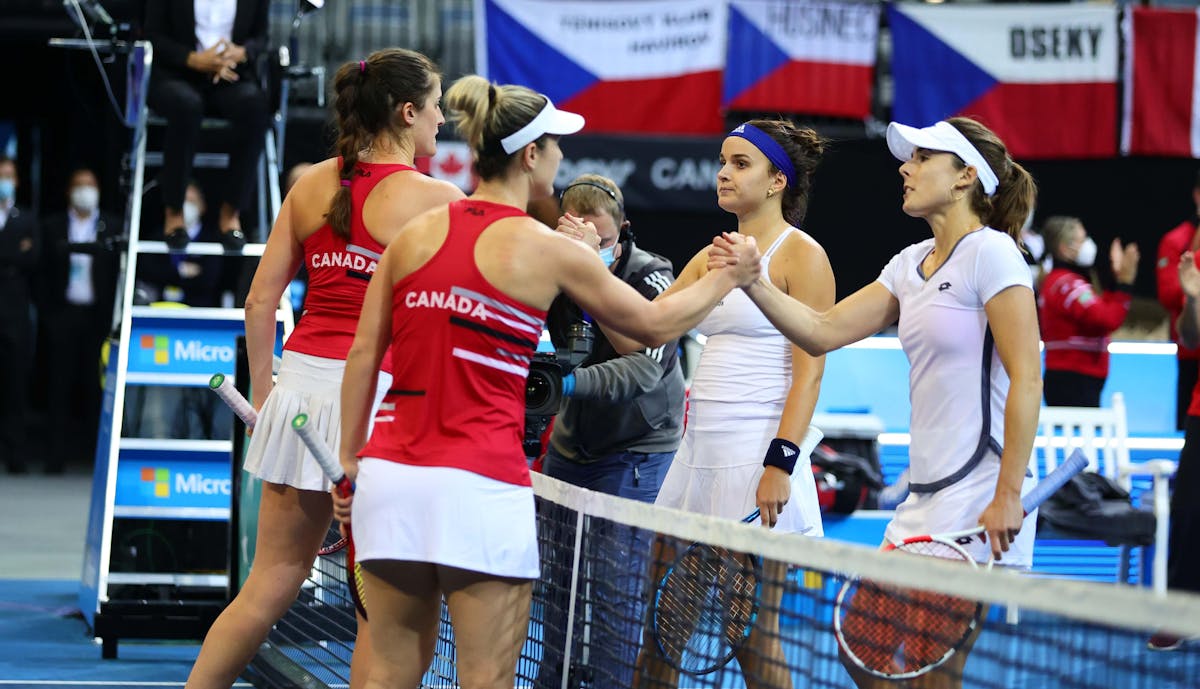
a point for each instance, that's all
(769, 147)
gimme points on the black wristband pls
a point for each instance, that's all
(783, 454)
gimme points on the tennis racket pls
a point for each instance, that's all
(230, 395)
(333, 471)
(245, 411)
(705, 606)
(898, 633)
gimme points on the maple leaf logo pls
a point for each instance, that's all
(451, 165)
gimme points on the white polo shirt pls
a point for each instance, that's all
(954, 389)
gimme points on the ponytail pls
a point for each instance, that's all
(1016, 192)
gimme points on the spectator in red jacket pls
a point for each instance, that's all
(1183, 238)
(1077, 317)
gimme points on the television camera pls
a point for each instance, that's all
(544, 386)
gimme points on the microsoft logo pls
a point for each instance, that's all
(156, 348)
(156, 482)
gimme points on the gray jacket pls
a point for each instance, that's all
(631, 403)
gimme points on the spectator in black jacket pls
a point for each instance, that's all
(618, 429)
(204, 64)
(18, 255)
(76, 287)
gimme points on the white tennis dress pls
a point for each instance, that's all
(957, 385)
(734, 408)
(312, 385)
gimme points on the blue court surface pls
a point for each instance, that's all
(45, 643)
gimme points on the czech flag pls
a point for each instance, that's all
(652, 67)
(1162, 96)
(802, 56)
(1044, 78)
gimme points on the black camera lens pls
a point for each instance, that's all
(538, 390)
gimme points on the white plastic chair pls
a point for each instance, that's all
(1102, 434)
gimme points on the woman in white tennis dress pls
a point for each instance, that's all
(968, 325)
(748, 437)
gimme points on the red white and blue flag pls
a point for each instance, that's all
(1044, 78)
(652, 67)
(802, 56)
(1162, 94)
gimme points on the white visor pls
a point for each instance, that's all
(902, 139)
(549, 121)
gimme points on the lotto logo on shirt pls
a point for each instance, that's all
(155, 349)
(156, 482)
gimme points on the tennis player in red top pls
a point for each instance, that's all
(336, 220)
(444, 504)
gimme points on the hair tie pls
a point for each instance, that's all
(345, 183)
(362, 66)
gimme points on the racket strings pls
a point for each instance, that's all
(706, 607)
(900, 631)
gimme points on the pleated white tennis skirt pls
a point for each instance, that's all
(718, 465)
(445, 516)
(312, 385)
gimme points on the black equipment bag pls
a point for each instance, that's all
(1093, 507)
(845, 482)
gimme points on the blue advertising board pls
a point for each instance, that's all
(192, 346)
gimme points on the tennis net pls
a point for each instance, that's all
(593, 623)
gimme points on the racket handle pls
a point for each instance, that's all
(230, 395)
(752, 517)
(1074, 464)
(321, 452)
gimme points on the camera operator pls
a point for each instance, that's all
(617, 431)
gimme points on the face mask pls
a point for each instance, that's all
(85, 199)
(1087, 254)
(191, 213)
(607, 254)
(8, 188)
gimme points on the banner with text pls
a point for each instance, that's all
(654, 173)
(801, 56)
(1044, 78)
(650, 67)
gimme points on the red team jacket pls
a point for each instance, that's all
(1076, 322)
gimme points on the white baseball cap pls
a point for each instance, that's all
(549, 121)
(943, 136)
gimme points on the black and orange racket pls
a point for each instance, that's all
(333, 471)
(898, 633)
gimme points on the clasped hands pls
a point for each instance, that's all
(729, 249)
(220, 60)
(738, 253)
